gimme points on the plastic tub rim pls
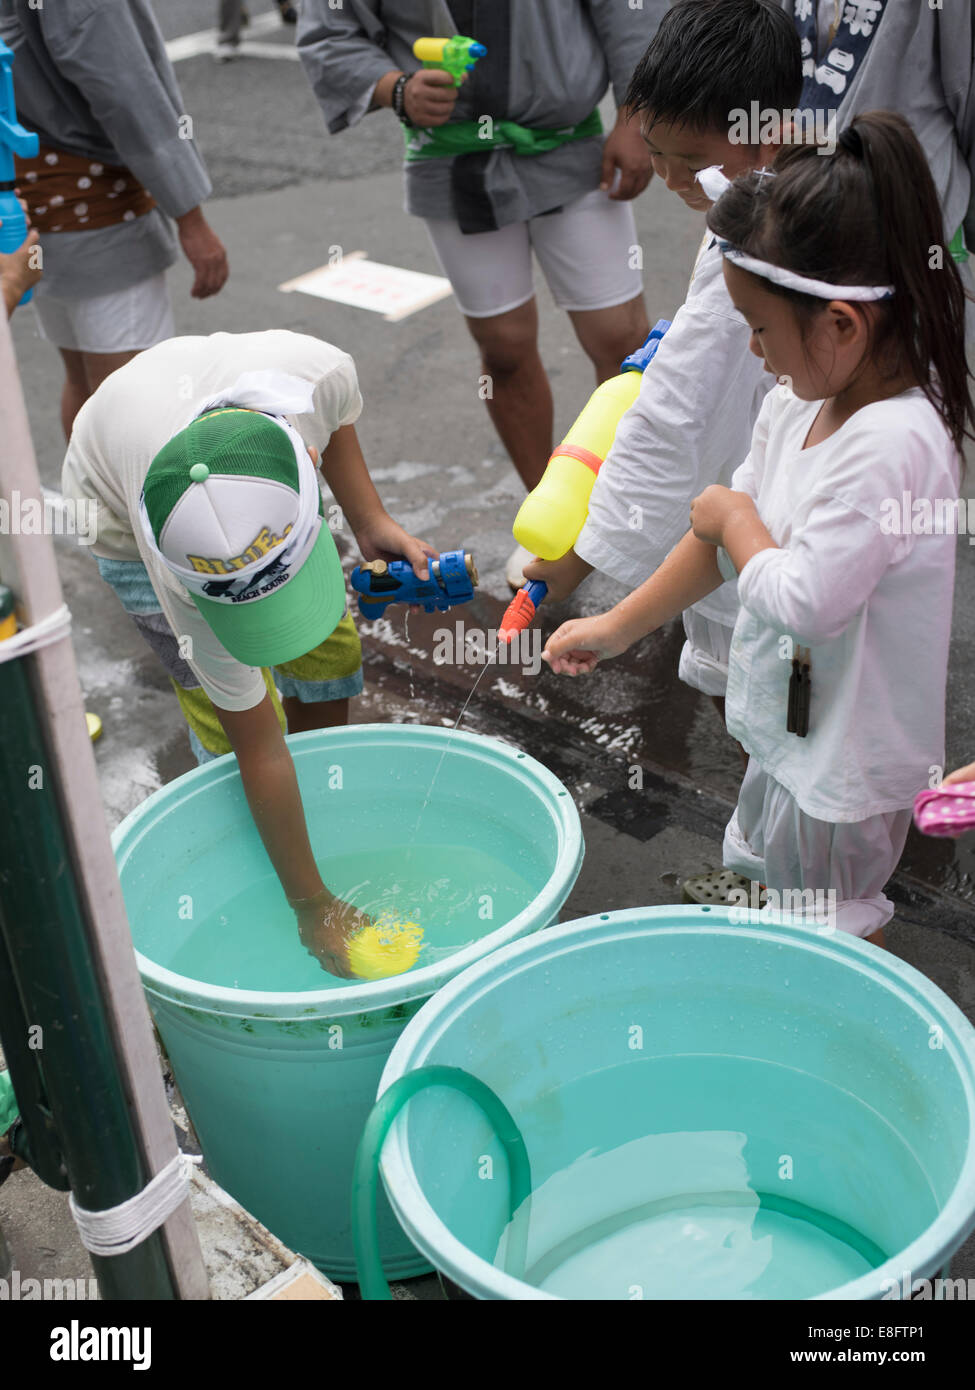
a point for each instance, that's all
(924, 1257)
(183, 992)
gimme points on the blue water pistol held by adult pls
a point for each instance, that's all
(452, 578)
(14, 140)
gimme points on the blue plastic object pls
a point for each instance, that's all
(14, 140)
(640, 360)
(279, 1081)
(712, 1108)
(453, 579)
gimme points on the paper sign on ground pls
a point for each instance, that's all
(385, 289)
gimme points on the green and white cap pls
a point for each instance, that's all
(232, 507)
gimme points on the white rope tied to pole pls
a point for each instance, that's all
(117, 1230)
(49, 630)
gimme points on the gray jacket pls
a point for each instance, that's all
(562, 56)
(920, 62)
(92, 77)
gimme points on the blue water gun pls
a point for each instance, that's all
(554, 513)
(453, 578)
(14, 139)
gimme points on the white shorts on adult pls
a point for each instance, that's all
(126, 320)
(586, 251)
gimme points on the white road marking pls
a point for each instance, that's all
(205, 40)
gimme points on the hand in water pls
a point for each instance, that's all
(326, 924)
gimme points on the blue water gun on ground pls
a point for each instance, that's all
(14, 139)
(453, 578)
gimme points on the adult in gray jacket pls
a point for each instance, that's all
(116, 163)
(918, 59)
(514, 162)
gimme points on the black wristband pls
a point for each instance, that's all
(397, 100)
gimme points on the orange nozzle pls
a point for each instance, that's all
(518, 615)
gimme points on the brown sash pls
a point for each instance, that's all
(69, 193)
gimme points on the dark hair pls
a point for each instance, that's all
(868, 214)
(711, 57)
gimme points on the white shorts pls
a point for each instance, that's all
(839, 869)
(124, 321)
(584, 251)
(704, 656)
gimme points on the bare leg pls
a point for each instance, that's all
(314, 714)
(609, 335)
(877, 939)
(74, 392)
(99, 365)
(84, 373)
(520, 399)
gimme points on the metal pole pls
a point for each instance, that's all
(63, 920)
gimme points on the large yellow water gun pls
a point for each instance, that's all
(553, 513)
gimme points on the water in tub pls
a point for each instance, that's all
(704, 1177)
(457, 894)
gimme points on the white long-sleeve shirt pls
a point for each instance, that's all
(873, 605)
(690, 426)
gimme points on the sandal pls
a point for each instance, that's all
(715, 889)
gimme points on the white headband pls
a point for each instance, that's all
(713, 184)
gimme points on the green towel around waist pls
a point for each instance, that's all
(474, 137)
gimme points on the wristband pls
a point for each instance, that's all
(398, 98)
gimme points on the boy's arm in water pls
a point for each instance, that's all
(271, 787)
(689, 572)
(378, 536)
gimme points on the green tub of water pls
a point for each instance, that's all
(712, 1109)
(278, 1062)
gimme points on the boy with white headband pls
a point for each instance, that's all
(692, 421)
(199, 458)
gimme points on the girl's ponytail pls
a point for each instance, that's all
(928, 307)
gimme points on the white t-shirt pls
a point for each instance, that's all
(136, 410)
(690, 426)
(871, 603)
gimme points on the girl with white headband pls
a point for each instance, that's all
(839, 657)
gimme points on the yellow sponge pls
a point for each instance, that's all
(388, 948)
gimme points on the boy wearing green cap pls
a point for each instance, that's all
(198, 457)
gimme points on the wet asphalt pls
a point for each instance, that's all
(284, 193)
